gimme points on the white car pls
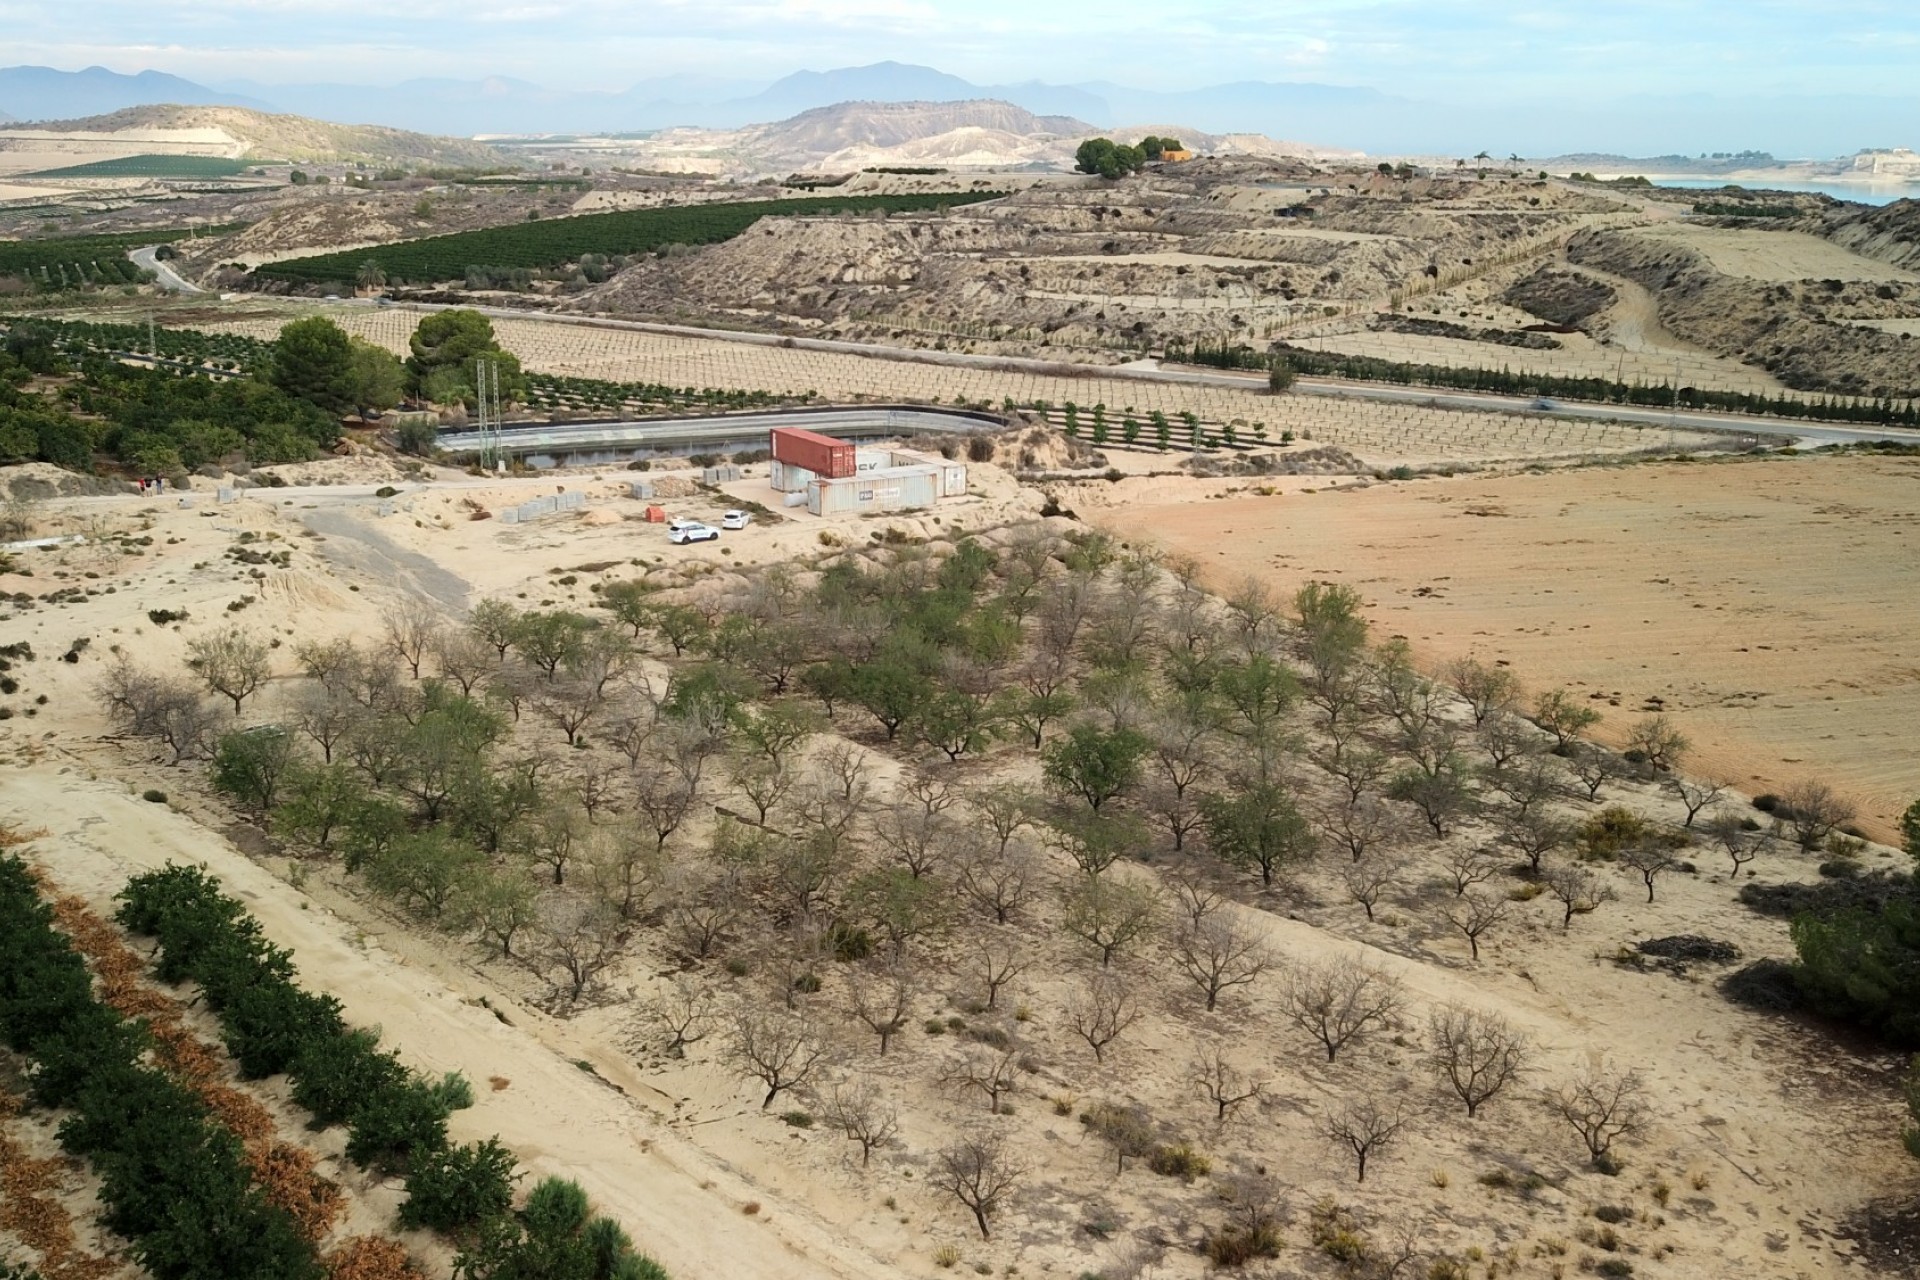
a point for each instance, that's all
(681, 532)
(735, 520)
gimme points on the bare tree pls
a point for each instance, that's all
(1506, 738)
(705, 908)
(1649, 856)
(1102, 1009)
(777, 1047)
(1486, 689)
(1603, 1106)
(146, 705)
(1814, 811)
(1534, 835)
(683, 1011)
(999, 878)
(883, 1000)
(408, 629)
(1371, 879)
(862, 1112)
(1364, 825)
(1526, 782)
(1360, 770)
(763, 782)
(325, 715)
(1254, 611)
(979, 1173)
(1366, 1127)
(1005, 811)
(1196, 896)
(575, 939)
(1595, 767)
(1579, 891)
(1474, 1053)
(463, 658)
(1110, 913)
(1741, 844)
(998, 960)
(993, 1072)
(1336, 1001)
(1696, 794)
(1467, 865)
(1224, 1085)
(231, 662)
(663, 796)
(919, 836)
(1658, 740)
(624, 867)
(1219, 953)
(1475, 914)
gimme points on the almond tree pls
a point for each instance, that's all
(778, 1048)
(1220, 953)
(1475, 914)
(1337, 1001)
(1224, 1085)
(1578, 890)
(1366, 1127)
(231, 662)
(1602, 1106)
(862, 1113)
(1102, 1010)
(883, 1000)
(979, 1173)
(1476, 1054)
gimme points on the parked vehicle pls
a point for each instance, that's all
(735, 520)
(681, 532)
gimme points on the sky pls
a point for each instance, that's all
(1465, 51)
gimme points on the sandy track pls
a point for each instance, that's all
(678, 1204)
(1769, 605)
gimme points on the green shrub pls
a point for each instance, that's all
(1179, 1160)
(153, 795)
(458, 1188)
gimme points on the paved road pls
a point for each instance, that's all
(1152, 372)
(164, 276)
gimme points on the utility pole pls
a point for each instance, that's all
(486, 394)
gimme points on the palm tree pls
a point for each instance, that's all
(371, 274)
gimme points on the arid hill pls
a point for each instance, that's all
(1890, 232)
(258, 135)
(1801, 307)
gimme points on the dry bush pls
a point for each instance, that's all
(1101, 1010)
(370, 1258)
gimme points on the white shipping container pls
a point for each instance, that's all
(953, 480)
(788, 477)
(893, 489)
(866, 460)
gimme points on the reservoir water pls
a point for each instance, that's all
(1858, 192)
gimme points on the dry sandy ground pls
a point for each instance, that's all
(1764, 1139)
(1779, 256)
(1769, 604)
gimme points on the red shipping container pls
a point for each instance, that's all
(822, 455)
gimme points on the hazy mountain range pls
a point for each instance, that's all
(1326, 114)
